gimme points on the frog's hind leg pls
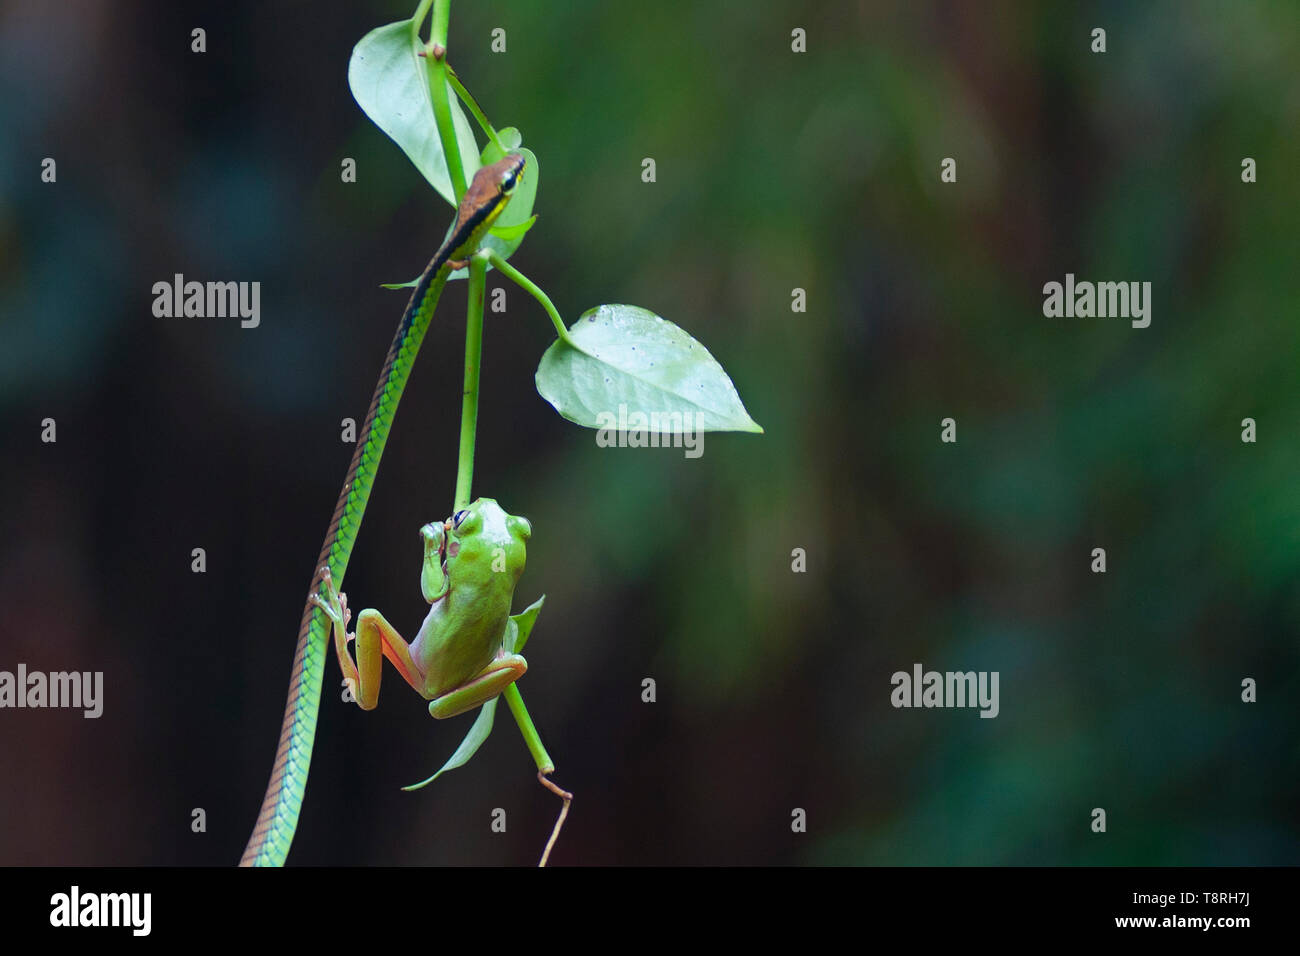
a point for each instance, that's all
(492, 680)
(377, 639)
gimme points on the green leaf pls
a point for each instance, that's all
(390, 83)
(513, 232)
(518, 628)
(400, 285)
(625, 361)
(523, 626)
(509, 137)
(469, 746)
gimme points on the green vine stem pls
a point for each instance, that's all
(473, 362)
(441, 20)
(510, 272)
(465, 97)
(418, 17)
(436, 60)
(440, 76)
(515, 701)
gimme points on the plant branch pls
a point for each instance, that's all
(473, 362)
(510, 272)
(559, 822)
(515, 701)
(436, 64)
(418, 17)
(441, 19)
(488, 129)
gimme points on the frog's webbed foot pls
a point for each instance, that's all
(334, 603)
(335, 606)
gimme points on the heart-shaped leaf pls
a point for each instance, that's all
(390, 81)
(625, 362)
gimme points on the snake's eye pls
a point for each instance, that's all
(511, 178)
(458, 517)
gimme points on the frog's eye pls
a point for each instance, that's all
(466, 522)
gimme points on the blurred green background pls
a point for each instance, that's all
(776, 170)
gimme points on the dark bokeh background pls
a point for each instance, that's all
(775, 171)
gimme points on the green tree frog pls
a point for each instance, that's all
(457, 661)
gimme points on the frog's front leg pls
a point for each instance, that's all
(376, 639)
(504, 670)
